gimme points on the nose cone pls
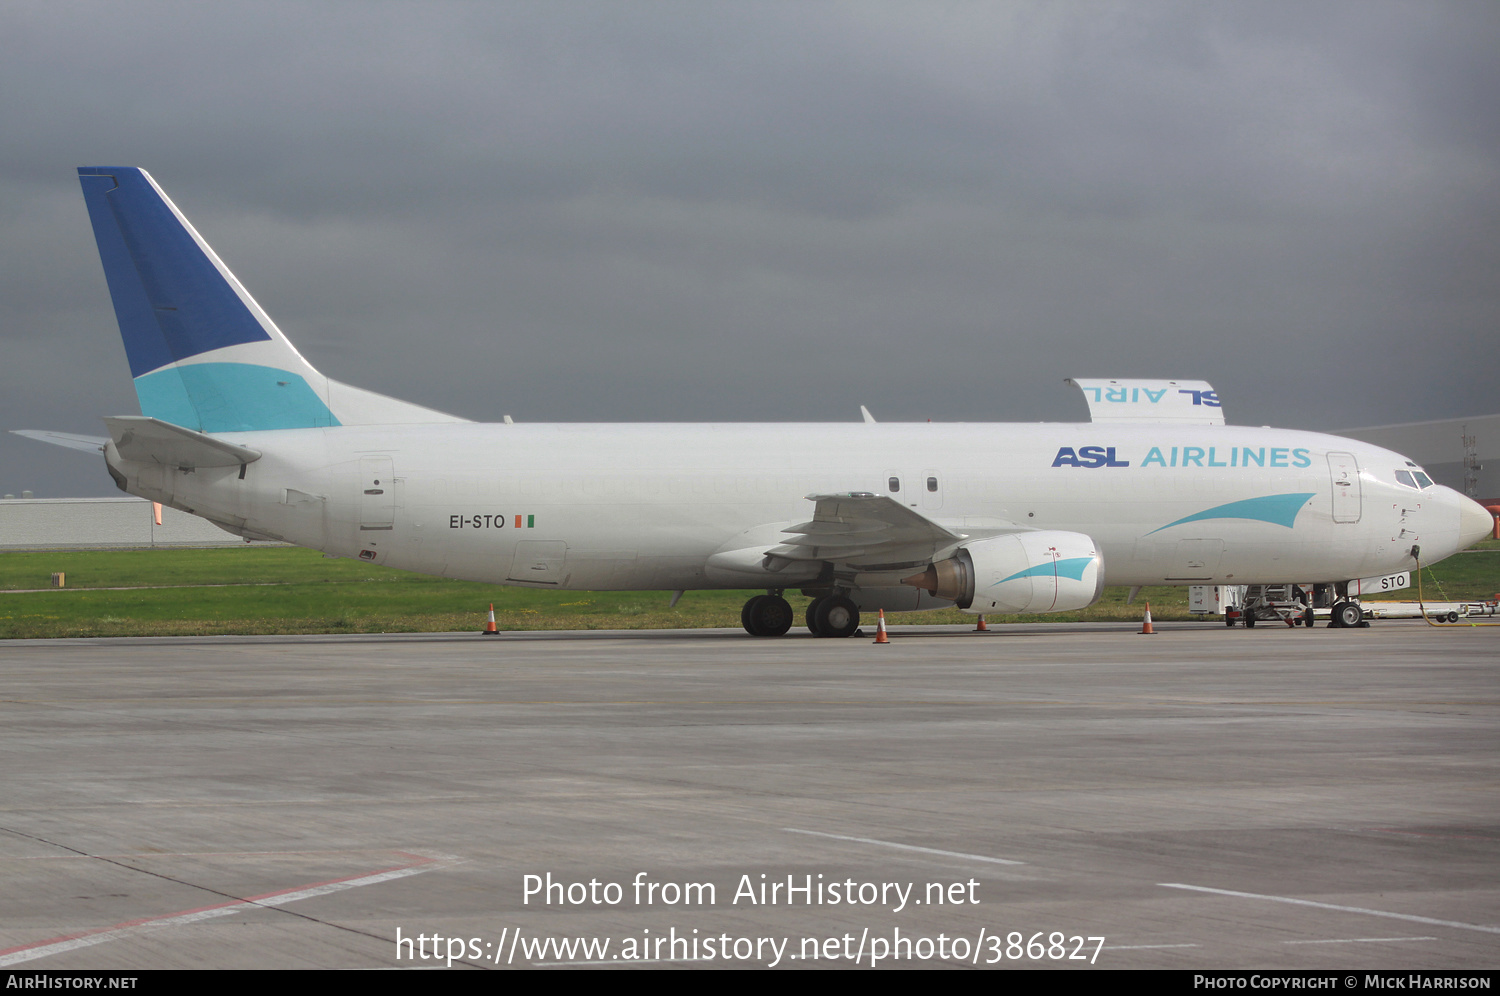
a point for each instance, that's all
(1474, 523)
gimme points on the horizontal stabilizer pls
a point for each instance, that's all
(1180, 402)
(150, 440)
(73, 441)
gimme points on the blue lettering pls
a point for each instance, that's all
(1110, 460)
(1065, 458)
(1212, 462)
(1155, 396)
(1211, 399)
(1197, 396)
(1174, 456)
(1155, 455)
(1091, 456)
(1278, 458)
(1301, 459)
(1193, 455)
(1259, 456)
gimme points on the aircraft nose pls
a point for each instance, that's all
(1474, 523)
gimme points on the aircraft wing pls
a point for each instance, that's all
(861, 530)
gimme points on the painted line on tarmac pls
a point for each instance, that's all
(57, 945)
(1363, 940)
(906, 847)
(1332, 906)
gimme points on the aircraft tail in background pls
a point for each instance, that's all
(203, 353)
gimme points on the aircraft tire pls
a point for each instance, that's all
(1347, 615)
(750, 615)
(770, 615)
(812, 616)
(837, 616)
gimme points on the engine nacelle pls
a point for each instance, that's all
(1044, 571)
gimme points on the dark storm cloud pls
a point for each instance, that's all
(771, 211)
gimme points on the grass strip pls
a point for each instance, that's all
(285, 590)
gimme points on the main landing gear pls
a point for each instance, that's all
(832, 615)
(767, 615)
(828, 615)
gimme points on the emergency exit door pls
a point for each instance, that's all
(377, 500)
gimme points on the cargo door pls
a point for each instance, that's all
(1197, 559)
(539, 561)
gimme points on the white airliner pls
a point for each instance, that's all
(995, 518)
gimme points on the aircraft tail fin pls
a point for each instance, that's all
(203, 353)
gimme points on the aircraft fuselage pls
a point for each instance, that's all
(646, 506)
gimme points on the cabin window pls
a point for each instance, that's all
(932, 484)
(1423, 481)
(1404, 477)
(894, 484)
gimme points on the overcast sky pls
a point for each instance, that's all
(636, 211)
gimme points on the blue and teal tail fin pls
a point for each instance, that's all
(203, 353)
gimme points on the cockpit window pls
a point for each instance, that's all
(1404, 477)
(1423, 481)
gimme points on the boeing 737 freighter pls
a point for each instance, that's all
(238, 428)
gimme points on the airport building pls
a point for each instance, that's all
(102, 523)
(1463, 453)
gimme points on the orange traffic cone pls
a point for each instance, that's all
(1146, 629)
(981, 627)
(880, 636)
(489, 627)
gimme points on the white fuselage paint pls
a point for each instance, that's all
(645, 506)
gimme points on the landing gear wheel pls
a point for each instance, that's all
(1347, 615)
(766, 615)
(747, 615)
(837, 616)
(812, 616)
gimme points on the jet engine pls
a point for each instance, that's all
(1044, 571)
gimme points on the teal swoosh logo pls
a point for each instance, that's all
(1070, 568)
(231, 397)
(1280, 510)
